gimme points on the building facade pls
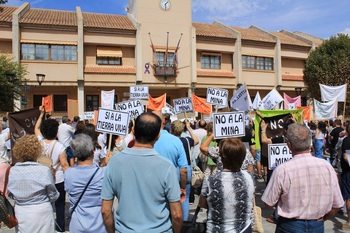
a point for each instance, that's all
(155, 44)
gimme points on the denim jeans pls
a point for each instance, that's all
(299, 226)
(186, 204)
(319, 144)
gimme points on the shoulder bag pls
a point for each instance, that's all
(7, 211)
(46, 159)
(193, 225)
(81, 195)
(197, 174)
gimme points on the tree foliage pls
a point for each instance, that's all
(11, 74)
(328, 64)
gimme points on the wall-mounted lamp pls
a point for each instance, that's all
(40, 78)
(238, 85)
(278, 87)
(298, 90)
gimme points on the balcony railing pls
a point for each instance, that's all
(164, 70)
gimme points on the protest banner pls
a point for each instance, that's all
(89, 115)
(229, 124)
(217, 96)
(133, 107)
(270, 100)
(157, 103)
(47, 103)
(107, 99)
(139, 92)
(168, 109)
(200, 105)
(278, 154)
(112, 122)
(182, 105)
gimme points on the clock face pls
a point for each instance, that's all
(165, 5)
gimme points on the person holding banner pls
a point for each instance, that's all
(145, 184)
(320, 137)
(305, 190)
(228, 195)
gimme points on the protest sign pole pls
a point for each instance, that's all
(346, 89)
(110, 142)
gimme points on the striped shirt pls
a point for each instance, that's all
(305, 188)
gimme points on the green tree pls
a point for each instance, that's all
(329, 64)
(11, 74)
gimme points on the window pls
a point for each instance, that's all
(108, 61)
(92, 102)
(38, 100)
(162, 56)
(257, 63)
(210, 61)
(48, 52)
(60, 103)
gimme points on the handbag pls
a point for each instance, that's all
(193, 226)
(46, 159)
(258, 227)
(81, 195)
(197, 174)
(7, 211)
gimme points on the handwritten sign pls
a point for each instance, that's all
(217, 96)
(278, 154)
(229, 124)
(183, 105)
(133, 107)
(89, 115)
(139, 92)
(113, 122)
(107, 99)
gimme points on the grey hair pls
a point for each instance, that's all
(65, 119)
(299, 136)
(82, 147)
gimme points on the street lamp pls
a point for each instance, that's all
(40, 78)
(298, 90)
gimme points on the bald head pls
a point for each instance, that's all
(202, 124)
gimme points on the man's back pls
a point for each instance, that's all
(304, 187)
(170, 147)
(200, 133)
(64, 134)
(144, 183)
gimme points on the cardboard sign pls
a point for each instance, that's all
(229, 124)
(278, 154)
(183, 105)
(133, 107)
(107, 99)
(139, 92)
(168, 109)
(113, 122)
(270, 100)
(89, 115)
(217, 96)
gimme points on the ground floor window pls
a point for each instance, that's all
(92, 102)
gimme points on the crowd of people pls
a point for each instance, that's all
(142, 182)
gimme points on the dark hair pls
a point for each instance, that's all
(49, 129)
(322, 127)
(337, 122)
(79, 128)
(90, 130)
(147, 127)
(76, 118)
(232, 153)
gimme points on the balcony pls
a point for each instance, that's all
(161, 70)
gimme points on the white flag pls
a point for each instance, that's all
(325, 110)
(256, 101)
(107, 99)
(270, 100)
(240, 100)
(330, 93)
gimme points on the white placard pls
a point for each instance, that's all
(217, 96)
(168, 109)
(229, 124)
(183, 105)
(278, 154)
(107, 99)
(89, 115)
(270, 100)
(139, 92)
(113, 122)
(133, 107)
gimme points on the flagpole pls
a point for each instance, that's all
(346, 89)
(177, 48)
(166, 51)
(186, 49)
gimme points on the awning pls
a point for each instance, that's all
(49, 42)
(109, 52)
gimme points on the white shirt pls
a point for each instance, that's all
(65, 133)
(200, 133)
(3, 148)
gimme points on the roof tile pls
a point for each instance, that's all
(215, 73)
(285, 39)
(94, 20)
(6, 14)
(251, 34)
(49, 17)
(212, 30)
(110, 69)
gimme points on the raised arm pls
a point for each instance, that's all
(193, 136)
(37, 131)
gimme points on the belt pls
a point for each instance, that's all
(295, 219)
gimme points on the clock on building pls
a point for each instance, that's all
(165, 5)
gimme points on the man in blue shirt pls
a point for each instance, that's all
(145, 184)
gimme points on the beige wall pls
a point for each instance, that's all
(294, 52)
(6, 33)
(109, 38)
(90, 55)
(292, 66)
(263, 50)
(47, 34)
(259, 78)
(215, 46)
(6, 47)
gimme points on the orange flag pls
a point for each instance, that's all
(47, 103)
(200, 105)
(306, 112)
(95, 117)
(156, 104)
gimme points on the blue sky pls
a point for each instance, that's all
(321, 18)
